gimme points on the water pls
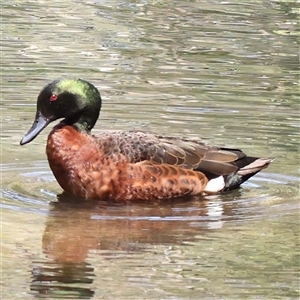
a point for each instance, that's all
(223, 71)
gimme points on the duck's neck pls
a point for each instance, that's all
(85, 120)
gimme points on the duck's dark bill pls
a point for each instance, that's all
(38, 125)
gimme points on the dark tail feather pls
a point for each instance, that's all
(253, 166)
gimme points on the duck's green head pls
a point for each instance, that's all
(75, 100)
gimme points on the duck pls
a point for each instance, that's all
(128, 165)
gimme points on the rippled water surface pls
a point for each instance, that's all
(223, 71)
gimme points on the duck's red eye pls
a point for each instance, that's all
(53, 97)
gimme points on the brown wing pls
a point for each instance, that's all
(139, 146)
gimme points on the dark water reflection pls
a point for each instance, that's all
(129, 233)
(55, 280)
(223, 71)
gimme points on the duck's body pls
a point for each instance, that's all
(102, 168)
(132, 165)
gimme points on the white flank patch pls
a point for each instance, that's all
(215, 185)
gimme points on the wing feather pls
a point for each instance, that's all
(140, 146)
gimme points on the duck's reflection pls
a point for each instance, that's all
(62, 280)
(74, 229)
